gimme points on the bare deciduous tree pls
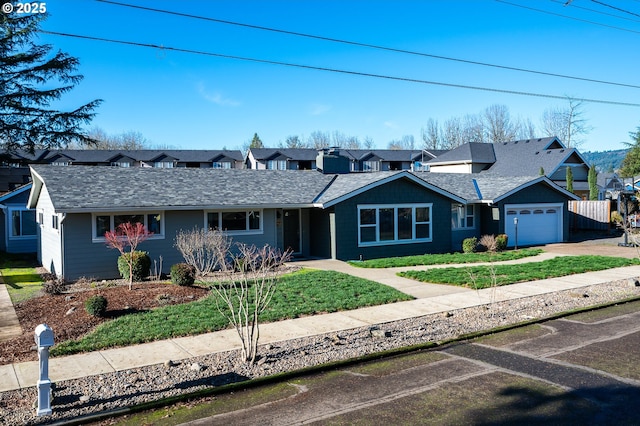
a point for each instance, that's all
(244, 295)
(497, 124)
(203, 249)
(431, 135)
(569, 123)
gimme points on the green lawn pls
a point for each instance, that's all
(445, 259)
(509, 274)
(20, 276)
(301, 293)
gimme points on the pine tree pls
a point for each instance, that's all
(631, 162)
(593, 183)
(256, 142)
(569, 179)
(31, 78)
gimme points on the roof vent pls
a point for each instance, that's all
(549, 152)
(516, 142)
(537, 152)
(562, 150)
(539, 140)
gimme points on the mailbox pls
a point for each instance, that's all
(44, 336)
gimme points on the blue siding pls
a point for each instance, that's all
(396, 192)
(86, 258)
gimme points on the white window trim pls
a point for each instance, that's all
(10, 211)
(395, 241)
(473, 215)
(160, 236)
(221, 165)
(247, 231)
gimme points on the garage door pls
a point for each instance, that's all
(537, 223)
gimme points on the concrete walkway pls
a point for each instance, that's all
(430, 299)
(9, 324)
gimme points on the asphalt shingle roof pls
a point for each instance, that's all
(106, 155)
(78, 188)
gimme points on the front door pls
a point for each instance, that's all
(291, 229)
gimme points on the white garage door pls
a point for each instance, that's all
(537, 223)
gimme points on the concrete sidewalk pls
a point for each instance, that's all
(430, 299)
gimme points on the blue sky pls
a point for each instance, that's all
(193, 101)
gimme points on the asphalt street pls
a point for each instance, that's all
(583, 369)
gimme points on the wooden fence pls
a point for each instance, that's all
(590, 214)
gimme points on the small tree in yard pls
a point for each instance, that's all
(251, 282)
(205, 250)
(127, 235)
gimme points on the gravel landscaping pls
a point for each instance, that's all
(77, 398)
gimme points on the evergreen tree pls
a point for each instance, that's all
(31, 78)
(256, 142)
(593, 183)
(631, 162)
(569, 179)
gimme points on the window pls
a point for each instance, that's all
(23, 223)
(370, 166)
(163, 164)
(386, 224)
(104, 223)
(54, 221)
(235, 221)
(60, 163)
(462, 216)
(277, 164)
(121, 164)
(221, 164)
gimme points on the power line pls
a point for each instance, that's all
(567, 17)
(372, 46)
(615, 8)
(564, 2)
(335, 70)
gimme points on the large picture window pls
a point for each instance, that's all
(390, 224)
(151, 220)
(23, 223)
(235, 221)
(462, 216)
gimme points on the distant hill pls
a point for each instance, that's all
(605, 161)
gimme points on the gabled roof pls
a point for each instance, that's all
(86, 188)
(345, 186)
(480, 153)
(106, 155)
(296, 154)
(15, 192)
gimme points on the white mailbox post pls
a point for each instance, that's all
(44, 340)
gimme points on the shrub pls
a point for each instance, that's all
(183, 274)
(469, 245)
(54, 286)
(141, 265)
(96, 305)
(489, 242)
(501, 242)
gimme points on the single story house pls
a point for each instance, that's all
(18, 232)
(329, 215)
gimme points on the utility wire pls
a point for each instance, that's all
(372, 46)
(565, 16)
(615, 8)
(573, 6)
(356, 73)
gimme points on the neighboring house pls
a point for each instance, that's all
(360, 160)
(18, 233)
(339, 215)
(526, 157)
(609, 186)
(14, 170)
